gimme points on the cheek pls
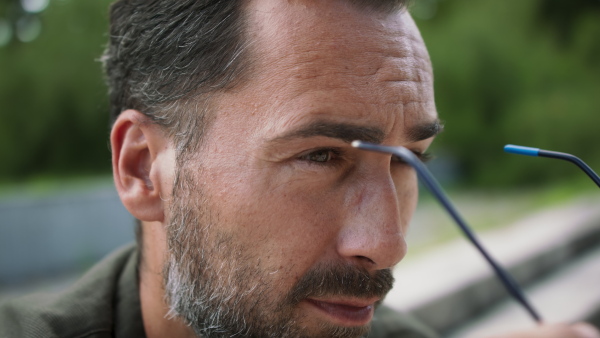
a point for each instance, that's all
(294, 231)
(297, 219)
(288, 225)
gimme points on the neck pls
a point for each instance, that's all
(152, 295)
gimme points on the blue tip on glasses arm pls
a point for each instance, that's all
(434, 187)
(520, 150)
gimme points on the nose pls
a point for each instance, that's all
(373, 232)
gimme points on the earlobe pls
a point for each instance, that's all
(137, 156)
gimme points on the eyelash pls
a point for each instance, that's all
(335, 155)
(424, 157)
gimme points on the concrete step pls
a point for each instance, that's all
(570, 294)
(453, 284)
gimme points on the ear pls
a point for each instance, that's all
(143, 164)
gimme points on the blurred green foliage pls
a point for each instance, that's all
(53, 105)
(522, 72)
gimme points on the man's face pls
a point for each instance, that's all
(278, 227)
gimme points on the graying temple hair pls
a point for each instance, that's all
(164, 56)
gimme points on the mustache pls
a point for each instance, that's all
(342, 280)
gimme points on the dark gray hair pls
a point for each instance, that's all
(163, 55)
(164, 58)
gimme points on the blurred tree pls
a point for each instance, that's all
(504, 75)
(53, 109)
(563, 16)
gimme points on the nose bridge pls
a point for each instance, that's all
(372, 232)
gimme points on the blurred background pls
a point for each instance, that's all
(522, 72)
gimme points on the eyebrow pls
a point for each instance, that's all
(424, 131)
(350, 132)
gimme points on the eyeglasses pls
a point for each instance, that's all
(520, 150)
(434, 187)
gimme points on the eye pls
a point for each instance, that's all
(321, 156)
(424, 157)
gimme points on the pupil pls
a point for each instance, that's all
(321, 156)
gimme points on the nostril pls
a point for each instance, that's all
(367, 259)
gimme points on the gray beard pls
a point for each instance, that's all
(215, 285)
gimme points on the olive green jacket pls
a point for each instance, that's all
(105, 303)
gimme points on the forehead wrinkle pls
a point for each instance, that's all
(351, 62)
(409, 78)
(288, 47)
(407, 70)
(410, 64)
(334, 57)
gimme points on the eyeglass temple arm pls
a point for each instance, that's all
(434, 187)
(528, 151)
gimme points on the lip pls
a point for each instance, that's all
(345, 312)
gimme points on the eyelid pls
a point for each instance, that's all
(337, 155)
(334, 150)
(422, 156)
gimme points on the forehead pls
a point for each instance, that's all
(329, 60)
